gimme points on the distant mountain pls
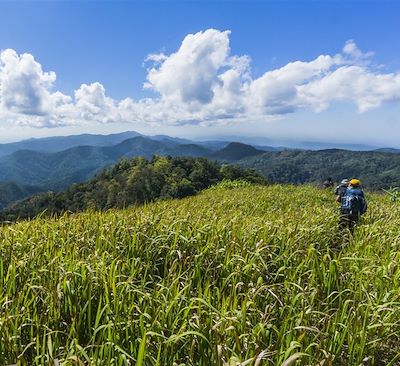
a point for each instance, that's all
(53, 170)
(137, 146)
(213, 145)
(166, 139)
(58, 170)
(308, 145)
(285, 144)
(235, 151)
(191, 150)
(59, 143)
(388, 150)
(376, 170)
(271, 148)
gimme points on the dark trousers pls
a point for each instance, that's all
(348, 221)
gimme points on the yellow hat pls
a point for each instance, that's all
(355, 182)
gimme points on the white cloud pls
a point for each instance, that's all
(27, 99)
(23, 84)
(92, 104)
(156, 57)
(200, 83)
(351, 50)
(351, 83)
(189, 75)
(276, 91)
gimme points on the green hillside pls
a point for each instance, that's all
(377, 170)
(11, 192)
(257, 275)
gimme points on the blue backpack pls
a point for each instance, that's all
(353, 202)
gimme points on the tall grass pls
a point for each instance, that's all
(245, 276)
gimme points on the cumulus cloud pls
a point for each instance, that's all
(189, 74)
(351, 83)
(27, 97)
(201, 82)
(92, 104)
(275, 92)
(351, 50)
(23, 84)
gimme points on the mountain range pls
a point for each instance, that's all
(60, 143)
(41, 168)
(57, 170)
(54, 163)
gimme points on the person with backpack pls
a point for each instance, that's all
(328, 183)
(353, 205)
(341, 189)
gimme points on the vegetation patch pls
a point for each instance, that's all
(253, 276)
(133, 181)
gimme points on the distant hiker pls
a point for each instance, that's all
(328, 183)
(353, 205)
(341, 189)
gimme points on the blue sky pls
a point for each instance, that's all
(92, 56)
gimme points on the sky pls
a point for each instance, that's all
(326, 71)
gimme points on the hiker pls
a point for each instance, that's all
(341, 189)
(353, 205)
(328, 183)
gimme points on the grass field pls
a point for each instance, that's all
(245, 276)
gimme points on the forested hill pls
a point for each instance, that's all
(11, 192)
(25, 172)
(59, 143)
(131, 181)
(377, 170)
(58, 170)
(235, 151)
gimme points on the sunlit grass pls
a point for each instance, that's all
(250, 276)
